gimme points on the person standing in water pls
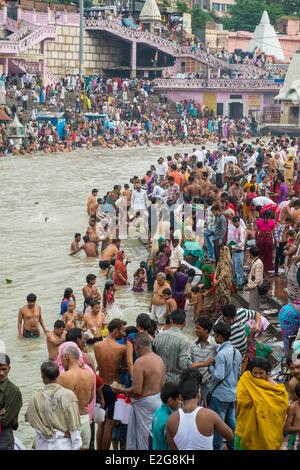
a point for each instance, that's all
(31, 317)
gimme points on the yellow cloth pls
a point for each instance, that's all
(261, 412)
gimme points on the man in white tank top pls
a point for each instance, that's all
(192, 427)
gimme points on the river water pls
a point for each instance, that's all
(34, 252)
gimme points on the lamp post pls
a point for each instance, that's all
(81, 32)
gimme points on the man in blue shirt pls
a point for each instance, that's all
(224, 377)
(170, 402)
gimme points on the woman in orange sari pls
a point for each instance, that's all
(120, 276)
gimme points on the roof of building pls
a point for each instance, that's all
(291, 87)
(265, 39)
(150, 11)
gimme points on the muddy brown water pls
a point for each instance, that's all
(34, 252)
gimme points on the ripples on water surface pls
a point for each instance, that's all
(34, 253)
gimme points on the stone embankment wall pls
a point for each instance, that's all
(100, 52)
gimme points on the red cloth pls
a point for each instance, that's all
(265, 245)
(120, 268)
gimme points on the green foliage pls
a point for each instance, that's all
(164, 5)
(199, 19)
(246, 14)
(182, 7)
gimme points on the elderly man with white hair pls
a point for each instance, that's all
(82, 383)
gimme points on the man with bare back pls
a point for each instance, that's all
(31, 317)
(109, 253)
(148, 378)
(110, 357)
(82, 382)
(91, 205)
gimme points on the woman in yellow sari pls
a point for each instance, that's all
(262, 406)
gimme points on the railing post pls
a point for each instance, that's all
(133, 60)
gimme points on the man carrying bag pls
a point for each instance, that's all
(224, 377)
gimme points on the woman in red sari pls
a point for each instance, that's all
(264, 239)
(120, 275)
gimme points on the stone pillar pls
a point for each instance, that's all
(42, 64)
(4, 14)
(5, 66)
(133, 60)
(208, 72)
(19, 13)
(49, 13)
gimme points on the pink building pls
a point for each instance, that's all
(288, 34)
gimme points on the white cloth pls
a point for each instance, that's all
(58, 441)
(176, 257)
(162, 169)
(262, 201)
(200, 155)
(139, 200)
(85, 431)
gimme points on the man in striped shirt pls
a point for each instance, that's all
(237, 319)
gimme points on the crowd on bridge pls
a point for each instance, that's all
(203, 215)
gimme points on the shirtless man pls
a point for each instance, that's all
(55, 338)
(110, 357)
(75, 247)
(295, 370)
(109, 253)
(149, 376)
(206, 186)
(292, 424)
(82, 382)
(128, 194)
(31, 315)
(90, 291)
(92, 231)
(91, 205)
(193, 189)
(93, 321)
(158, 303)
(90, 248)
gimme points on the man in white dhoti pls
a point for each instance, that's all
(147, 380)
(54, 413)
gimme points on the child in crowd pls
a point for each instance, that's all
(170, 302)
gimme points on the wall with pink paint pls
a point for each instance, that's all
(241, 39)
(265, 99)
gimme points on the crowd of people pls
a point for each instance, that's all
(150, 385)
(109, 113)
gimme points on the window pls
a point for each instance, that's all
(236, 97)
(220, 109)
(269, 99)
(219, 6)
